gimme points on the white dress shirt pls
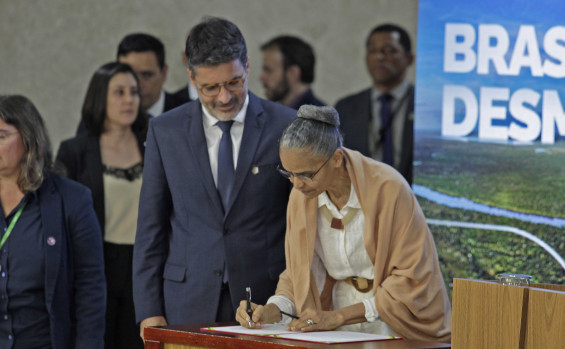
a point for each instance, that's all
(159, 107)
(192, 92)
(342, 254)
(213, 135)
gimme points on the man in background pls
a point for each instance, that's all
(212, 211)
(288, 71)
(379, 121)
(187, 92)
(146, 55)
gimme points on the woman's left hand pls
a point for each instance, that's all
(313, 320)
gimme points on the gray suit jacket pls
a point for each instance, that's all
(355, 113)
(184, 237)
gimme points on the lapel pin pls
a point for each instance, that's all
(51, 241)
(255, 170)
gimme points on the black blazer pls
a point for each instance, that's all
(75, 287)
(173, 100)
(81, 158)
(307, 98)
(176, 98)
(355, 114)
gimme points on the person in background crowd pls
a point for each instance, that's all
(359, 254)
(108, 159)
(288, 71)
(379, 121)
(146, 55)
(51, 263)
(188, 92)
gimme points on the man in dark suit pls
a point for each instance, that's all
(146, 55)
(379, 121)
(288, 71)
(187, 92)
(212, 206)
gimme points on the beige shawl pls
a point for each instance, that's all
(409, 291)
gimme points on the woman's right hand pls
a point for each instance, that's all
(262, 315)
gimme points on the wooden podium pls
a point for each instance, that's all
(487, 314)
(190, 336)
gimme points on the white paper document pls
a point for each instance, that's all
(279, 331)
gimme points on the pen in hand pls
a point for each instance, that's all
(287, 314)
(249, 311)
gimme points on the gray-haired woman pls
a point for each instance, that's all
(358, 250)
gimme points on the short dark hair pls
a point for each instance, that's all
(295, 51)
(404, 38)
(20, 112)
(96, 99)
(141, 42)
(214, 41)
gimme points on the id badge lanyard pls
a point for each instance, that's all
(11, 226)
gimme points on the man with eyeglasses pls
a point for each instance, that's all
(379, 121)
(213, 206)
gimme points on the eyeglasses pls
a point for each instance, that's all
(303, 177)
(212, 90)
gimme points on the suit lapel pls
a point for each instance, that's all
(95, 176)
(51, 216)
(366, 97)
(252, 131)
(366, 114)
(407, 155)
(199, 150)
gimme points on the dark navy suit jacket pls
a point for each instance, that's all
(75, 288)
(183, 234)
(356, 113)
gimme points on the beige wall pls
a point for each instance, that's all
(50, 48)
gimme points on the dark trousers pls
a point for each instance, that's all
(122, 332)
(225, 309)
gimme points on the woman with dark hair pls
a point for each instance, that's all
(108, 159)
(359, 255)
(51, 263)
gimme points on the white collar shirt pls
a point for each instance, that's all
(213, 135)
(343, 251)
(342, 254)
(159, 107)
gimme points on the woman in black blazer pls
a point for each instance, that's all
(51, 265)
(108, 158)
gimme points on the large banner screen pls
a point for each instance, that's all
(490, 135)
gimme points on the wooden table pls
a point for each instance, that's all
(190, 336)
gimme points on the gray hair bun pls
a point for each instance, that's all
(327, 115)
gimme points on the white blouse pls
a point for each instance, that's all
(342, 253)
